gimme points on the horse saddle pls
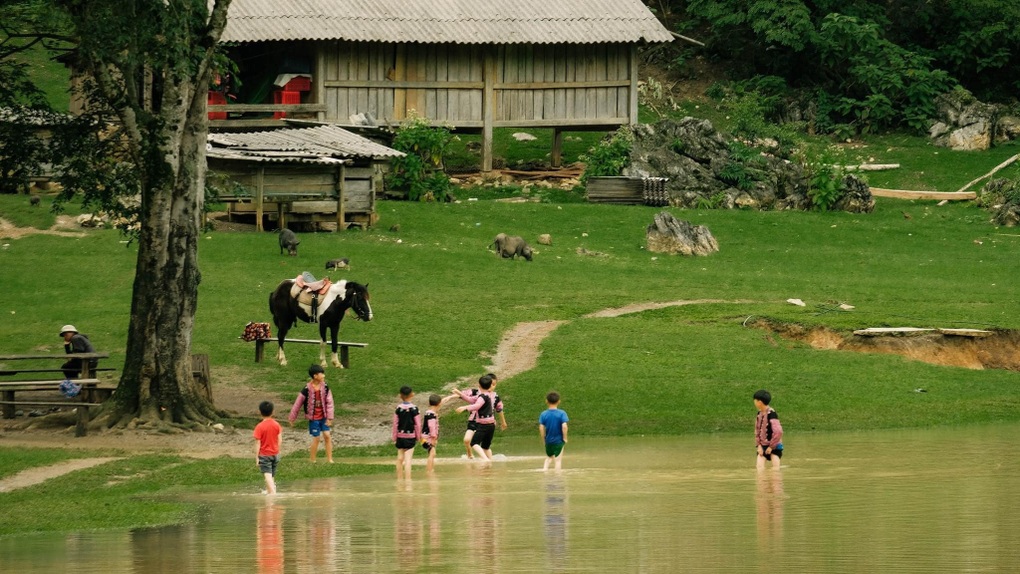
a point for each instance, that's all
(307, 292)
(307, 282)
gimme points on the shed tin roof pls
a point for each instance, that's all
(319, 144)
(445, 21)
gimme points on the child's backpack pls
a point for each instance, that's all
(486, 411)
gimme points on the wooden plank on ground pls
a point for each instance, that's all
(879, 331)
(936, 195)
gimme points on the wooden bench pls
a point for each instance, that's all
(92, 391)
(345, 356)
(85, 357)
(80, 428)
(16, 370)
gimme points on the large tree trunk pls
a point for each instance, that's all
(168, 146)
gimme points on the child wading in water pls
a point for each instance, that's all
(552, 425)
(472, 426)
(430, 429)
(768, 432)
(406, 431)
(269, 435)
(485, 407)
(318, 402)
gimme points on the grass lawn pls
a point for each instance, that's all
(442, 303)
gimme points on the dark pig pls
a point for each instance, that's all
(288, 241)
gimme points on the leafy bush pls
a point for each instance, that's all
(825, 177)
(610, 156)
(883, 85)
(420, 172)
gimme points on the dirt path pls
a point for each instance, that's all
(33, 476)
(65, 226)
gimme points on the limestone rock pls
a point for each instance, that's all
(545, 239)
(667, 234)
(1008, 129)
(964, 123)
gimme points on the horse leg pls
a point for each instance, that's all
(333, 338)
(281, 334)
(322, 343)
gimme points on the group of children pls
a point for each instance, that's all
(410, 428)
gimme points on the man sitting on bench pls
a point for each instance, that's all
(75, 342)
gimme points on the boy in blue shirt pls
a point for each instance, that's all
(552, 425)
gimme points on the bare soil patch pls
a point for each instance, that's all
(65, 226)
(1001, 350)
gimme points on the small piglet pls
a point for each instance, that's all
(288, 241)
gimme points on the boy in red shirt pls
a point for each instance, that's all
(269, 434)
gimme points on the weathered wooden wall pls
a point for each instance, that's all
(573, 85)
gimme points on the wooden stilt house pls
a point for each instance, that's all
(473, 65)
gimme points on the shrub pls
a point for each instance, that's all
(610, 156)
(420, 172)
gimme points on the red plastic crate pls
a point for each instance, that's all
(298, 84)
(285, 97)
(217, 98)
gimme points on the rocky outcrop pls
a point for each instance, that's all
(1002, 197)
(667, 234)
(707, 169)
(964, 123)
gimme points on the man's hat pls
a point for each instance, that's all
(68, 328)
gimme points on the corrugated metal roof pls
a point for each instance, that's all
(445, 21)
(321, 144)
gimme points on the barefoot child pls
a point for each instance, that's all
(485, 407)
(318, 402)
(406, 431)
(469, 397)
(552, 426)
(768, 432)
(430, 428)
(269, 434)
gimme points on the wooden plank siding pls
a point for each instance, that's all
(562, 86)
(553, 85)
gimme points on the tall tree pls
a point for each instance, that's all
(148, 64)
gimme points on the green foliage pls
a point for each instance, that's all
(825, 173)
(883, 84)
(610, 156)
(420, 172)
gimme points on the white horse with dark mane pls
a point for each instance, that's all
(325, 304)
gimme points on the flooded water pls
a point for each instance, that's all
(907, 501)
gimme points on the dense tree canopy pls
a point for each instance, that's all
(873, 63)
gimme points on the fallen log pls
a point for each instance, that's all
(991, 173)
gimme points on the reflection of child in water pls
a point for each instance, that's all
(768, 432)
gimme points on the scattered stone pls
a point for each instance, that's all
(395, 228)
(796, 302)
(90, 220)
(583, 251)
(667, 234)
(545, 239)
(524, 137)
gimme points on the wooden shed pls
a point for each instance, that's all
(471, 65)
(311, 174)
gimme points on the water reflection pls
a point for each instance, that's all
(769, 498)
(269, 531)
(555, 523)
(865, 502)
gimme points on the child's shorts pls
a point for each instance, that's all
(267, 463)
(472, 425)
(317, 427)
(405, 443)
(427, 446)
(553, 449)
(777, 452)
(483, 435)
